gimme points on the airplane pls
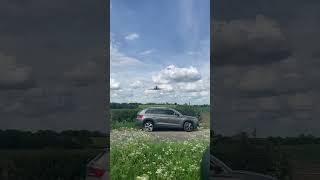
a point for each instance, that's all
(156, 88)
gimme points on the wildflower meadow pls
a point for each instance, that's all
(137, 155)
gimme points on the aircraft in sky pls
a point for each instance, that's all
(156, 88)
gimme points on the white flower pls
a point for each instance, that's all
(159, 171)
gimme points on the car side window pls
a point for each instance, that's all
(162, 111)
(169, 112)
(154, 111)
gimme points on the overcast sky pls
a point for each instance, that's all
(164, 43)
(52, 73)
(265, 67)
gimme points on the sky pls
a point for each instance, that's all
(265, 67)
(160, 43)
(52, 69)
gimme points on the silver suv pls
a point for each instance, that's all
(154, 117)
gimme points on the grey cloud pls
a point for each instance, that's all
(82, 74)
(51, 43)
(13, 75)
(248, 42)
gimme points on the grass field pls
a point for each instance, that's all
(137, 155)
(50, 164)
(123, 124)
(306, 152)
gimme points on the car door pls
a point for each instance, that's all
(176, 118)
(171, 119)
(218, 173)
(160, 117)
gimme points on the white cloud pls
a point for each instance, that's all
(166, 87)
(197, 86)
(114, 85)
(118, 58)
(136, 84)
(132, 36)
(146, 52)
(175, 74)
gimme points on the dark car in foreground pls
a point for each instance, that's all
(220, 171)
(162, 117)
(97, 168)
(214, 169)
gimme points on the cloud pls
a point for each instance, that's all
(13, 75)
(248, 42)
(146, 52)
(40, 102)
(132, 36)
(119, 59)
(175, 74)
(114, 85)
(82, 74)
(166, 87)
(197, 86)
(136, 84)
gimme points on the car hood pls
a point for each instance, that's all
(252, 176)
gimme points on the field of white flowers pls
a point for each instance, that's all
(136, 155)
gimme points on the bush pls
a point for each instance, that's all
(188, 110)
(124, 114)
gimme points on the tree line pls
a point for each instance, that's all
(18, 139)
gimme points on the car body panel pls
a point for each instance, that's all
(160, 119)
(229, 174)
(99, 162)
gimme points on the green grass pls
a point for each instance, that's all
(137, 154)
(48, 164)
(205, 119)
(306, 152)
(122, 124)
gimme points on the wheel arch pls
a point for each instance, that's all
(148, 119)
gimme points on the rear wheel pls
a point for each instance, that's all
(188, 126)
(148, 126)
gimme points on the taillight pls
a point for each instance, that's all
(96, 172)
(140, 117)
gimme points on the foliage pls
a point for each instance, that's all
(16, 139)
(188, 110)
(124, 105)
(138, 155)
(49, 164)
(272, 155)
(127, 115)
(122, 124)
(47, 154)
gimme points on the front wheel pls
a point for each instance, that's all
(148, 126)
(188, 126)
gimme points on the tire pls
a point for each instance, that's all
(148, 126)
(188, 126)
